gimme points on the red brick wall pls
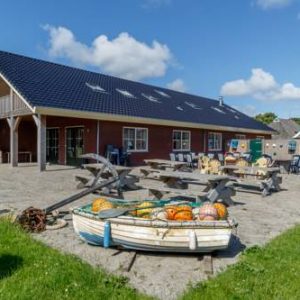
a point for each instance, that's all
(159, 137)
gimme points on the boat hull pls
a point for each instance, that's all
(161, 236)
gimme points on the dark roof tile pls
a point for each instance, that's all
(47, 84)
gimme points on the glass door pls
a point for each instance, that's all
(52, 140)
(74, 145)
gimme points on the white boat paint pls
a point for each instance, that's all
(155, 235)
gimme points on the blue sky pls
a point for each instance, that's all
(246, 50)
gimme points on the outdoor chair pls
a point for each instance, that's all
(221, 157)
(112, 154)
(211, 155)
(200, 154)
(247, 156)
(190, 161)
(294, 166)
(180, 157)
(124, 157)
(193, 154)
(172, 157)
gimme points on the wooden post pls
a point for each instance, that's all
(14, 124)
(40, 122)
(14, 147)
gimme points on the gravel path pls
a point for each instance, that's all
(161, 275)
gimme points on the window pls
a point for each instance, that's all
(162, 93)
(214, 141)
(181, 140)
(151, 98)
(135, 139)
(192, 105)
(95, 88)
(260, 137)
(125, 93)
(218, 110)
(240, 136)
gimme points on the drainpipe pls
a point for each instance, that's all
(98, 139)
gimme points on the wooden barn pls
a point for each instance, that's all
(51, 112)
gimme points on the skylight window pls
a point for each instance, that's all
(232, 110)
(95, 88)
(125, 93)
(218, 110)
(162, 93)
(192, 105)
(151, 98)
(179, 108)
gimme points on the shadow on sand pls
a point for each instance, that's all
(9, 264)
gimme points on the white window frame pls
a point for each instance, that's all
(240, 136)
(181, 132)
(135, 130)
(221, 141)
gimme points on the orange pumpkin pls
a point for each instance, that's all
(171, 212)
(184, 213)
(221, 210)
(97, 204)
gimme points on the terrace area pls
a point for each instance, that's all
(260, 219)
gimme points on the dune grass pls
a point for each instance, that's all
(271, 272)
(31, 270)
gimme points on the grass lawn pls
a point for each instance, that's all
(272, 272)
(30, 270)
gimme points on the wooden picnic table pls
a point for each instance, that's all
(163, 164)
(267, 179)
(105, 170)
(215, 185)
(126, 179)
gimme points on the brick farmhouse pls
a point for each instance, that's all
(52, 112)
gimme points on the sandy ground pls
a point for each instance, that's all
(161, 275)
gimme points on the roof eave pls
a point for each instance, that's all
(140, 120)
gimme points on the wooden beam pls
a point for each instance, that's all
(36, 120)
(13, 143)
(17, 123)
(8, 122)
(40, 121)
(14, 139)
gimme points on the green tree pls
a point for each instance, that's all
(297, 120)
(266, 118)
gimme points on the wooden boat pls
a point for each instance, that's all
(153, 235)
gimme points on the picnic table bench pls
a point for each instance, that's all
(216, 187)
(164, 164)
(265, 180)
(104, 170)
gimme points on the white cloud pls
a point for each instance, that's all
(262, 86)
(123, 56)
(268, 4)
(177, 85)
